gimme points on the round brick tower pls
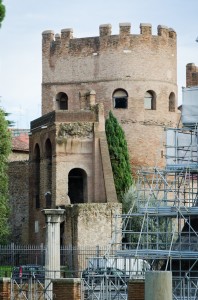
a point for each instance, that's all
(133, 75)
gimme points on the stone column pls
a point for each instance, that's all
(158, 285)
(52, 256)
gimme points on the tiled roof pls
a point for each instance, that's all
(21, 142)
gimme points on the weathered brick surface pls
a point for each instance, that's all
(19, 200)
(77, 144)
(90, 70)
(191, 75)
(136, 289)
(135, 63)
(5, 288)
(67, 289)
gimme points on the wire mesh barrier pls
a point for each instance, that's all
(73, 259)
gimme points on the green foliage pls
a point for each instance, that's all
(119, 155)
(154, 229)
(134, 224)
(2, 12)
(10, 122)
(5, 271)
(5, 149)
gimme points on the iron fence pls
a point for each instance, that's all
(73, 259)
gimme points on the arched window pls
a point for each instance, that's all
(172, 102)
(37, 176)
(62, 101)
(48, 173)
(77, 186)
(150, 100)
(120, 99)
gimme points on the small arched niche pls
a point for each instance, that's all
(120, 99)
(171, 102)
(150, 100)
(61, 101)
(77, 186)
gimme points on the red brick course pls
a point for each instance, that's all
(67, 289)
(136, 289)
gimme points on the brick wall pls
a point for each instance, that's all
(136, 289)
(67, 289)
(19, 200)
(5, 286)
(191, 75)
(134, 62)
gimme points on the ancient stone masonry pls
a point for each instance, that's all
(191, 75)
(69, 164)
(74, 130)
(134, 75)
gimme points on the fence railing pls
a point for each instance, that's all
(73, 259)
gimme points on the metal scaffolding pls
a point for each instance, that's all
(162, 226)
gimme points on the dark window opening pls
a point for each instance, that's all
(62, 230)
(172, 102)
(48, 199)
(62, 101)
(77, 186)
(120, 99)
(120, 102)
(63, 104)
(37, 201)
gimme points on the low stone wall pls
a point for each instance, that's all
(5, 288)
(67, 289)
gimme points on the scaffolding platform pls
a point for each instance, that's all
(162, 225)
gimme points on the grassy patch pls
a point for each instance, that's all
(5, 271)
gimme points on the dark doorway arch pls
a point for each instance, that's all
(77, 186)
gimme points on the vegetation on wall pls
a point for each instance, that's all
(2, 12)
(119, 156)
(5, 149)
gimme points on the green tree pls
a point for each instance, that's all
(119, 156)
(2, 12)
(5, 149)
(132, 223)
(146, 229)
(10, 122)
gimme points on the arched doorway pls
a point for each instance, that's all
(77, 186)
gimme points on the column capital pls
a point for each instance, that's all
(54, 215)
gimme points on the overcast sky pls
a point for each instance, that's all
(20, 39)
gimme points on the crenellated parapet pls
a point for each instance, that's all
(191, 75)
(66, 43)
(133, 75)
